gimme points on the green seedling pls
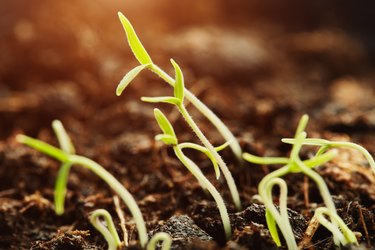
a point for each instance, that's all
(68, 159)
(280, 217)
(110, 234)
(62, 176)
(294, 165)
(144, 59)
(178, 101)
(169, 138)
(326, 144)
(107, 229)
(161, 236)
(337, 226)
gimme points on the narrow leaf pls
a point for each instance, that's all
(135, 44)
(43, 147)
(129, 77)
(223, 146)
(167, 139)
(163, 122)
(179, 82)
(165, 99)
(60, 187)
(63, 137)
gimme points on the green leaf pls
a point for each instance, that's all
(165, 99)
(135, 44)
(302, 124)
(222, 147)
(130, 77)
(63, 137)
(271, 224)
(60, 187)
(163, 122)
(167, 139)
(43, 147)
(264, 160)
(179, 82)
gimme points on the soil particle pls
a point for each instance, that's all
(74, 240)
(185, 233)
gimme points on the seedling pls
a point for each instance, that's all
(110, 234)
(160, 236)
(326, 144)
(169, 138)
(339, 229)
(178, 101)
(146, 62)
(108, 229)
(293, 165)
(69, 159)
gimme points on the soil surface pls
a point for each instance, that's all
(258, 66)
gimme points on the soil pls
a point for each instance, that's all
(257, 66)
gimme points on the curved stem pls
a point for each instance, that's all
(344, 236)
(194, 169)
(281, 217)
(108, 231)
(119, 189)
(221, 127)
(161, 236)
(227, 175)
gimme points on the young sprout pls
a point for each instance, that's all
(110, 234)
(326, 144)
(178, 101)
(62, 176)
(146, 63)
(273, 215)
(294, 165)
(161, 236)
(339, 229)
(169, 138)
(72, 159)
(108, 229)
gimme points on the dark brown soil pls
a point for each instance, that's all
(258, 66)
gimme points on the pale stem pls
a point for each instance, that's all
(194, 169)
(227, 175)
(161, 236)
(119, 189)
(108, 231)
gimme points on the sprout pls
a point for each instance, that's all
(295, 165)
(326, 144)
(108, 230)
(339, 229)
(144, 59)
(273, 215)
(110, 234)
(69, 159)
(167, 129)
(178, 101)
(161, 236)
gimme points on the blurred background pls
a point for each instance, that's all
(63, 59)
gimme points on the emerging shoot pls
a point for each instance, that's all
(168, 131)
(178, 101)
(69, 159)
(294, 164)
(144, 59)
